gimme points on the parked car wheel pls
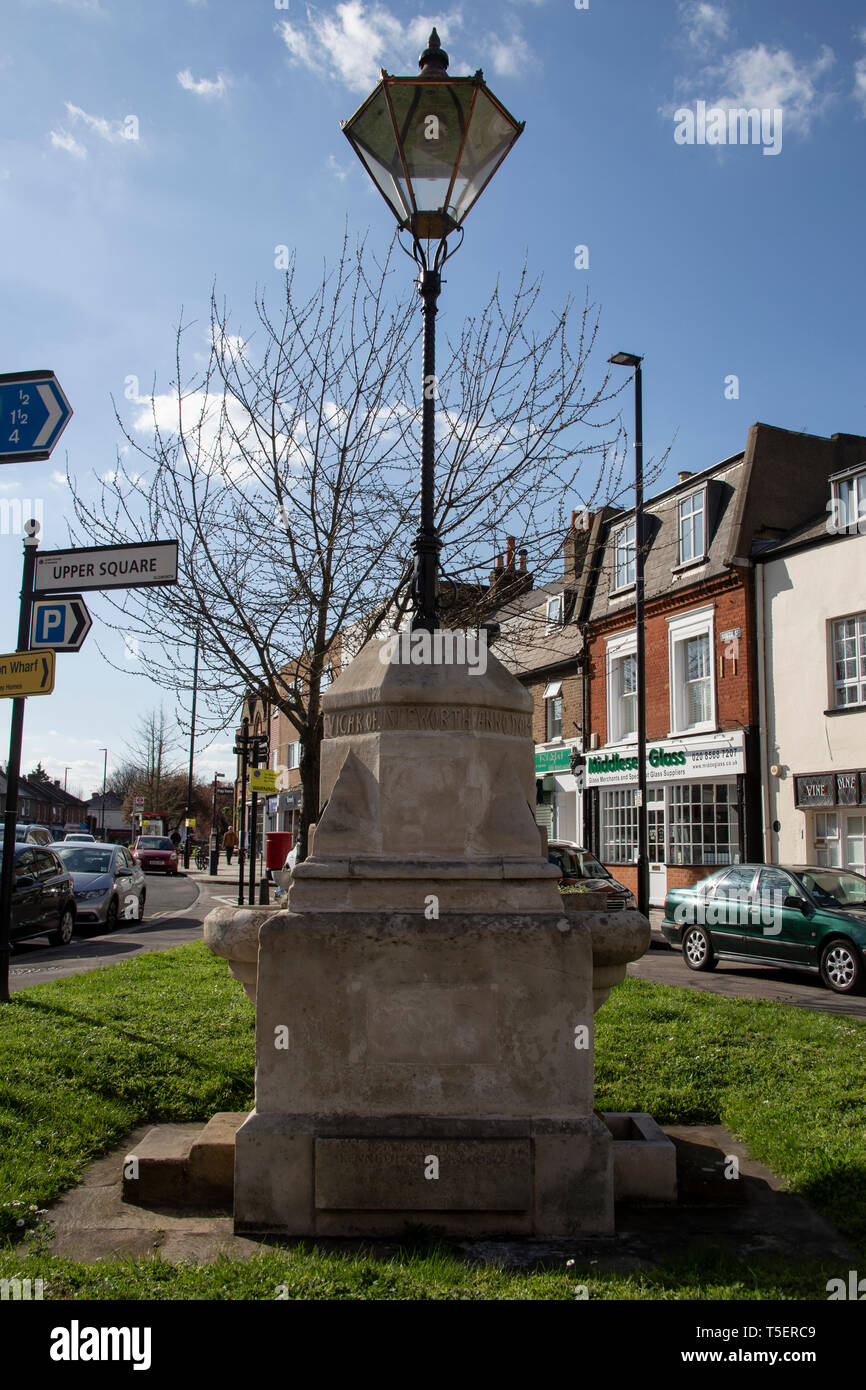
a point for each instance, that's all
(841, 967)
(698, 950)
(141, 903)
(111, 915)
(63, 935)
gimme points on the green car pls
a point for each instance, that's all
(788, 914)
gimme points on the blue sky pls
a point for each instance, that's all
(150, 149)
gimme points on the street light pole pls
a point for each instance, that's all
(427, 543)
(214, 838)
(628, 359)
(186, 843)
(65, 775)
(104, 781)
(431, 143)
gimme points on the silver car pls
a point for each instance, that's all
(108, 884)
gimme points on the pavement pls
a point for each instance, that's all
(752, 1217)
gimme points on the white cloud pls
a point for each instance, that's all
(859, 92)
(765, 79)
(204, 87)
(59, 479)
(768, 79)
(113, 132)
(508, 58)
(62, 140)
(705, 24)
(336, 169)
(84, 6)
(354, 42)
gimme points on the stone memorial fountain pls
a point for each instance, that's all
(424, 1006)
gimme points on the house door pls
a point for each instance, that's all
(658, 873)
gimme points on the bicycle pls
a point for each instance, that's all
(201, 857)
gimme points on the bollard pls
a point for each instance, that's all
(264, 894)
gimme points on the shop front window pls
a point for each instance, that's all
(828, 847)
(618, 826)
(702, 824)
(855, 844)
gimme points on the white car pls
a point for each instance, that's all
(80, 836)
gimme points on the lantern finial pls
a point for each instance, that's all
(433, 62)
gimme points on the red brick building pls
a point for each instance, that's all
(702, 537)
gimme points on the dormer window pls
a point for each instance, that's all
(849, 503)
(554, 611)
(691, 515)
(624, 556)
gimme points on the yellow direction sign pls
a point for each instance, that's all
(263, 779)
(27, 673)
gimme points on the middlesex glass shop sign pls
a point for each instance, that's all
(678, 760)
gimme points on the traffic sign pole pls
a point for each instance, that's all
(13, 767)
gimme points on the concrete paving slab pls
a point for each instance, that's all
(93, 1223)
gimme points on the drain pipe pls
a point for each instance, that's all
(770, 853)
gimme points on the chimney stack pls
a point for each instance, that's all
(510, 543)
(521, 568)
(682, 477)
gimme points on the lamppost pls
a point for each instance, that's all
(431, 144)
(104, 780)
(629, 359)
(214, 837)
(186, 843)
(66, 772)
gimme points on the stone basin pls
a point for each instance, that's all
(617, 938)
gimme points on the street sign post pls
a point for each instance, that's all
(31, 672)
(263, 780)
(33, 414)
(26, 673)
(60, 623)
(107, 567)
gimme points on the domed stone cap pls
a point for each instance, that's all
(383, 673)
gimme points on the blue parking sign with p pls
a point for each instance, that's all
(59, 623)
(50, 624)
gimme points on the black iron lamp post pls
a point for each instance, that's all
(431, 144)
(629, 359)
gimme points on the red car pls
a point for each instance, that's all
(155, 852)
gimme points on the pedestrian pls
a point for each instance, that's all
(230, 840)
(175, 837)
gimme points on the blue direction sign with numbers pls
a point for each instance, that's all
(33, 414)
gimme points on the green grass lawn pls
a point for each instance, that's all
(169, 1037)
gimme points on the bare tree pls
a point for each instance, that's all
(287, 471)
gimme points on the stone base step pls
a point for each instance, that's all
(184, 1165)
